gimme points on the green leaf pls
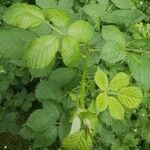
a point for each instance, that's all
(113, 52)
(121, 80)
(101, 80)
(43, 72)
(124, 16)
(47, 137)
(101, 102)
(78, 140)
(130, 97)
(14, 42)
(39, 120)
(123, 4)
(52, 109)
(94, 10)
(4, 84)
(63, 76)
(76, 125)
(115, 108)
(58, 17)
(41, 52)
(81, 30)
(70, 51)
(66, 4)
(103, 2)
(23, 15)
(140, 69)
(113, 33)
(48, 91)
(47, 3)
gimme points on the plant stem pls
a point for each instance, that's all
(54, 28)
(83, 79)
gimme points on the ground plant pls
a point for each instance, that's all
(74, 75)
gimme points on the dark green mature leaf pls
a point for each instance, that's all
(113, 33)
(113, 52)
(46, 138)
(123, 4)
(140, 69)
(94, 10)
(39, 120)
(23, 15)
(47, 3)
(70, 51)
(62, 76)
(124, 16)
(66, 4)
(48, 91)
(13, 42)
(51, 108)
(42, 52)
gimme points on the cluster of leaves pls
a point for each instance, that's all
(74, 74)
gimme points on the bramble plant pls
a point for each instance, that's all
(75, 75)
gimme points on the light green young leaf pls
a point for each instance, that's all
(41, 52)
(23, 15)
(130, 97)
(76, 125)
(81, 30)
(13, 42)
(140, 69)
(123, 4)
(115, 108)
(113, 52)
(94, 10)
(121, 80)
(124, 16)
(47, 3)
(58, 17)
(111, 32)
(101, 102)
(101, 79)
(70, 51)
(78, 140)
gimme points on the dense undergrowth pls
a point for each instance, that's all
(74, 74)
